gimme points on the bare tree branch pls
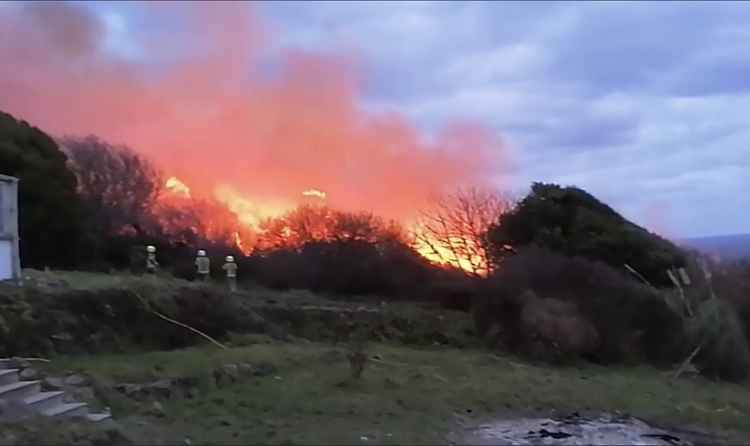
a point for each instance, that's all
(452, 230)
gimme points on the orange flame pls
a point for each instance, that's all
(249, 212)
(177, 187)
(252, 214)
(315, 193)
(439, 254)
(241, 245)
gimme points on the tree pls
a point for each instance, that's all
(453, 230)
(49, 209)
(322, 249)
(573, 222)
(307, 224)
(118, 187)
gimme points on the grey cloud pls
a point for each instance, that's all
(642, 103)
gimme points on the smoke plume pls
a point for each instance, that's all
(202, 101)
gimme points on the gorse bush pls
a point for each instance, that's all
(632, 321)
(572, 222)
(554, 329)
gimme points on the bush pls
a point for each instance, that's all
(555, 329)
(572, 222)
(50, 219)
(344, 268)
(631, 319)
(725, 353)
(38, 322)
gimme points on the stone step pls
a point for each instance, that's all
(19, 390)
(7, 363)
(8, 376)
(97, 417)
(29, 395)
(67, 410)
(44, 400)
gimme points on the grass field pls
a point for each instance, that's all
(407, 395)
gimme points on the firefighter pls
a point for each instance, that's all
(203, 264)
(151, 263)
(231, 268)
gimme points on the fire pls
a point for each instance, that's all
(380, 158)
(249, 212)
(241, 245)
(177, 187)
(252, 214)
(315, 193)
(437, 253)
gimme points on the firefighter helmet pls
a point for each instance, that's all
(230, 259)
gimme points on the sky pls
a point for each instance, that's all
(642, 104)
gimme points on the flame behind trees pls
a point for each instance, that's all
(453, 231)
(127, 195)
(177, 187)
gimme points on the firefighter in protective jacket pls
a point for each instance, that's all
(203, 265)
(231, 268)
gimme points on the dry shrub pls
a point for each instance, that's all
(555, 329)
(632, 320)
(724, 352)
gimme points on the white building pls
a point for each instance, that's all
(10, 261)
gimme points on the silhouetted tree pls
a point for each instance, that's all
(118, 186)
(573, 222)
(49, 209)
(322, 249)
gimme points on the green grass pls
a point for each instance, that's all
(410, 396)
(52, 281)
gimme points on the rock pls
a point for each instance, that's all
(76, 380)
(246, 369)
(29, 374)
(129, 390)
(264, 369)
(226, 374)
(53, 383)
(23, 364)
(84, 394)
(162, 388)
(156, 410)
(232, 371)
(390, 384)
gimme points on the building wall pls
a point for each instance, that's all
(10, 262)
